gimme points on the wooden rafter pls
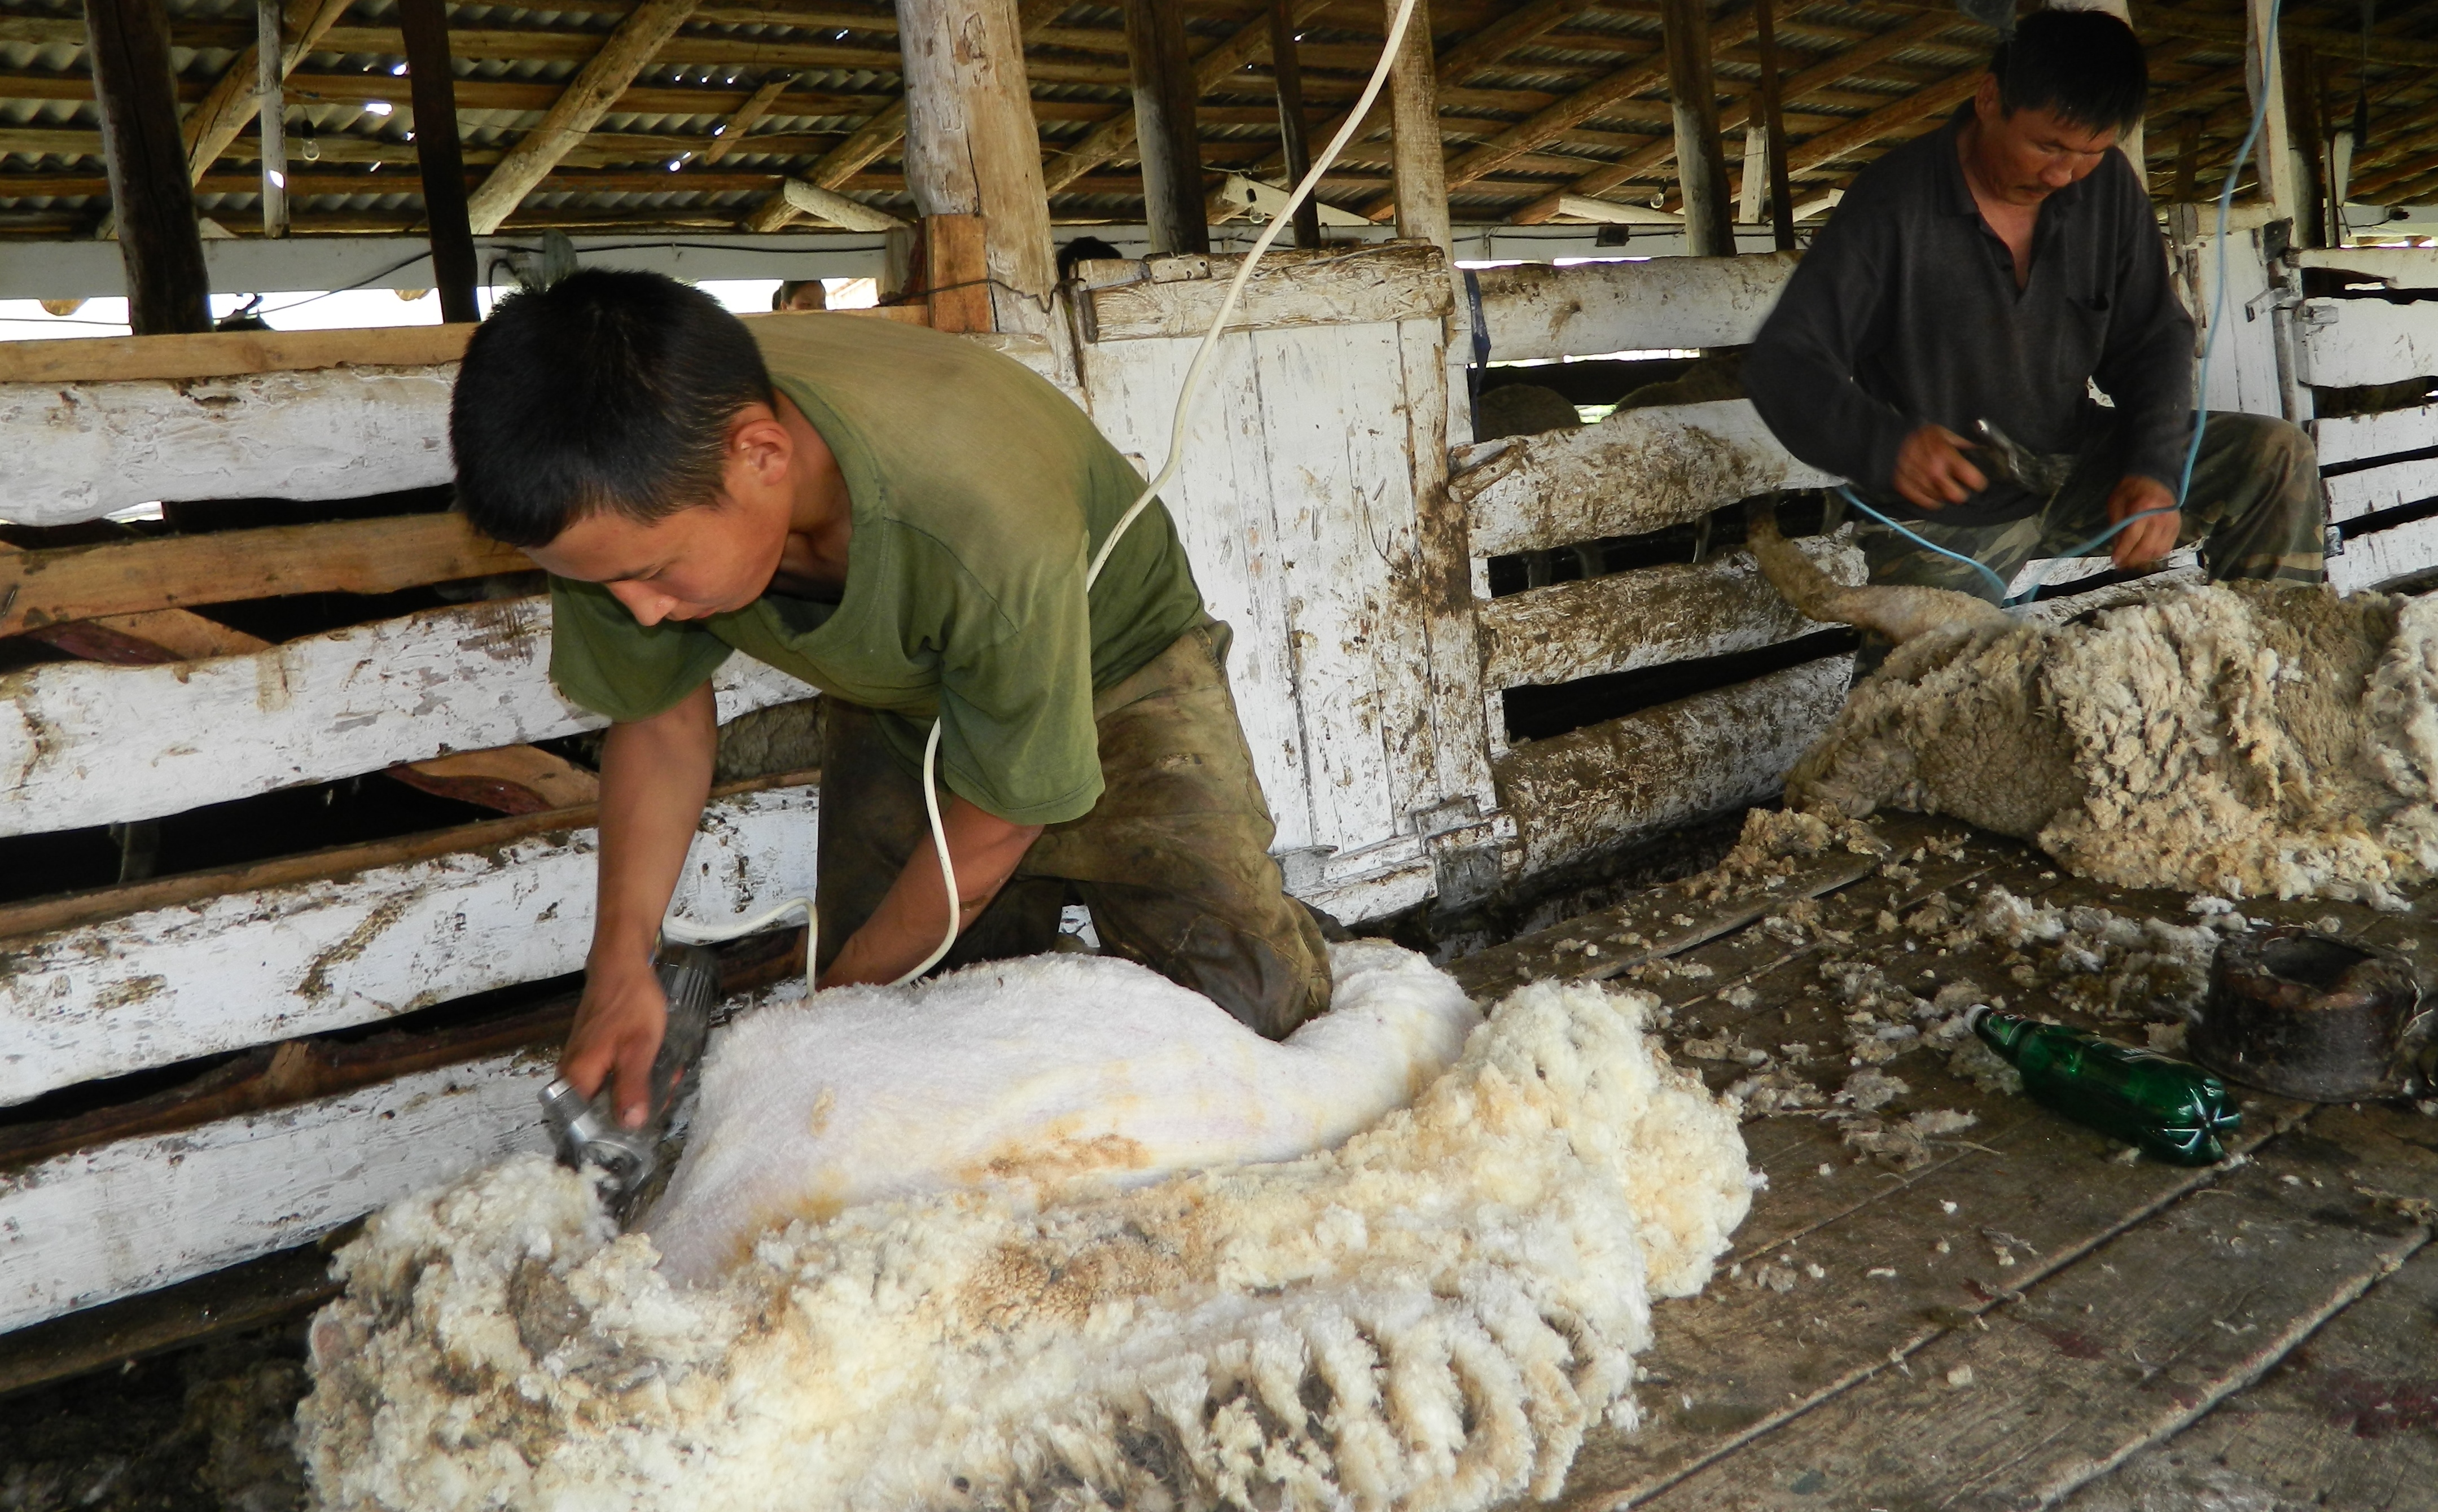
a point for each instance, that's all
(213, 124)
(588, 98)
(747, 116)
(878, 136)
(1115, 135)
(1637, 164)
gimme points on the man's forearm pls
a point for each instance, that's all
(655, 774)
(910, 920)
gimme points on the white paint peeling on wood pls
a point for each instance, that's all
(82, 743)
(276, 963)
(1637, 470)
(1537, 311)
(2359, 437)
(2393, 267)
(81, 452)
(2386, 487)
(2380, 557)
(1336, 287)
(2347, 343)
(1588, 789)
(1648, 616)
(1298, 502)
(139, 1214)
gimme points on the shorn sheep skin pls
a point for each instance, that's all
(1430, 1314)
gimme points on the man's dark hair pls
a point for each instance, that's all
(606, 390)
(2086, 65)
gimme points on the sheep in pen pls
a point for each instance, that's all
(1058, 1234)
(2245, 739)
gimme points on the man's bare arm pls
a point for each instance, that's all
(655, 774)
(910, 921)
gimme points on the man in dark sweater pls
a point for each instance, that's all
(2000, 269)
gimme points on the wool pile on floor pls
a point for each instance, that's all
(1427, 1312)
(2246, 739)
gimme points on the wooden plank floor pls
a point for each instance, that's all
(2027, 1317)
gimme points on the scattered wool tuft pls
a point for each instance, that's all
(2246, 739)
(1431, 1314)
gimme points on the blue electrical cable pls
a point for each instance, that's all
(2201, 395)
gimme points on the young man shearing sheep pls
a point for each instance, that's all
(1999, 268)
(903, 520)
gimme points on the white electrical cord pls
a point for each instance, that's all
(703, 935)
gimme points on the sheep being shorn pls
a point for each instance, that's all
(1430, 1314)
(2244, 739)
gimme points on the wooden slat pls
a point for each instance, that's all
(215, 354)
(1578, 793)
(2382, 557)
(2345, 343)
(81, 452)
(380, 556)
(2395, 267)
(2359, 437)
(1395, 282)
(128, 1218)
(2345, 1421)
(278, 962)
(2387, 487)
(20, 921)
(512, 779)
(83, 744)
(1646, 617)
(1668, 920)
(1539, 310)
(1637, 470)
(2119, 1350)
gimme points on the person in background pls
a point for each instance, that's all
(801, 293)
(2008, 268)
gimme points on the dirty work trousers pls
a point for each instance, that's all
(2254, 508)
(1174, 859)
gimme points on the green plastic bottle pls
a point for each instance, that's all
(2178, 1112)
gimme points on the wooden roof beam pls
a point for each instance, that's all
(1896, 39)
(1520, 27)
(747, 115)
(1116, 134)
(587, 98)
(877, 136)
(213, 124)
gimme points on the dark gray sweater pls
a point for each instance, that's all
(1906, 312)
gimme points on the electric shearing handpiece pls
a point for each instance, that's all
(588, 1133)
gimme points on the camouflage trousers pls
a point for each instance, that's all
(2254, 508)
(1173, 860)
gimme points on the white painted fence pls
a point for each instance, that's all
(1325, 523)
(2380, 464)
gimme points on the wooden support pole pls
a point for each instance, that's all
(1165, 128)
(1295, 149)
(2310, 147)
(2280, 181)
(971, 145)
(1419, 158)
(167, 287)
(1701, 161)
(439, 155)
(1773, 119)
(272, 114)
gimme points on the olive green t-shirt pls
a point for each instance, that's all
(980, 493)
